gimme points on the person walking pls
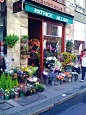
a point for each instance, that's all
(83, 64)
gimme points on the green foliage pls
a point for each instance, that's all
(9, 80)
(41, 86)
(11, 40)
(25, 48)
(13, 83)
(25, 36)
(3, 79)
(15, 70)
(16, 82)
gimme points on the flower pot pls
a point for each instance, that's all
(24, 56)
(6, 97)
(2, 97)
(72, 79)
(23, 40)
(58, 82)
(47, 80)
(52, 82)
(15, 75)
(66, 79)
(61, 82)
(16, 97)
(12, 96)
(55, 81)
(22, 95)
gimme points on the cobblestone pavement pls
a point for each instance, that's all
(40, 102)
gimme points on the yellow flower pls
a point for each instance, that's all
(21, 85)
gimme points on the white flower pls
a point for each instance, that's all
(35, 79)
(29, 70)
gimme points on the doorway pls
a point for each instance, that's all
(34, 43)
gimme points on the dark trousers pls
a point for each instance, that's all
(83, 72)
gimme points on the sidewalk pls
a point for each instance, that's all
(37, 103)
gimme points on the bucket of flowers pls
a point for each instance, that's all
(60, 79)
(7, 94)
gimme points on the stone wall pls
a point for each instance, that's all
(16, 23)
(69, 31)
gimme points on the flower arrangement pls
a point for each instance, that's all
(30, 70)
(67, 74)
(68, 58)
(60, 78)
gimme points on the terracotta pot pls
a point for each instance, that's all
(16, 97)
(24, 56)
(15, 75)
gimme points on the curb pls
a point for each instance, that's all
(58, 102)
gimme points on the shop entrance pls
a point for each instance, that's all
(34, 43)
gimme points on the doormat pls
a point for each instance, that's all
(29, 99)
(4, 106)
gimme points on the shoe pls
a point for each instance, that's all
(82, 80)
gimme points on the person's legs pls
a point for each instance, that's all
(83, 72)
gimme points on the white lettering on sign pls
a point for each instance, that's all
(44, 13)
(62, 19)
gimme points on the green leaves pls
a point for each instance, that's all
(11, 40)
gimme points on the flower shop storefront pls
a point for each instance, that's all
(48, 27)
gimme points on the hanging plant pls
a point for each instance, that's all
(11, 40)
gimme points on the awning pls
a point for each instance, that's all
(33, 8)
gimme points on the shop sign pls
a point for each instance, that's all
(49, 14)
(51, 4)
(1, 0)
(18, 6)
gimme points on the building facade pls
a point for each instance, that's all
(79, 26)
(47, 21)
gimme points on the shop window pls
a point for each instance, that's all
(52, 39)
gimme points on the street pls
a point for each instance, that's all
(74, 106)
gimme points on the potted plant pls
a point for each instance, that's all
(16, 94)
(22, 93)
(15, 72)
(24, 38)
(11, 40)
(25, 48)
(7, 93)
(11, 93)
(24, 54)
(41, 87)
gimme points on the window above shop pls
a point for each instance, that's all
(80, 6)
